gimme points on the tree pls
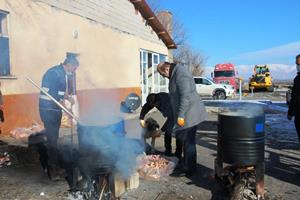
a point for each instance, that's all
(191, 58)
(184, 53)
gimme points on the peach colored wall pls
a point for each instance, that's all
(22, 109)
(40, 36)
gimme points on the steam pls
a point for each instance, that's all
(243, 108)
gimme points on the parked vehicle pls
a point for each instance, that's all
(261, 79)
(207, 87)
(225, 74)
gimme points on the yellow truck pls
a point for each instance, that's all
(261, 79)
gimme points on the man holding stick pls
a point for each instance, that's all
(55, 84)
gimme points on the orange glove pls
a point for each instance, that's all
(180, 121)
(142, 123)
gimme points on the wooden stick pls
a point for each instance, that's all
(102, 191)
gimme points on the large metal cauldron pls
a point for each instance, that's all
(90, 136)
(241, 138)
(95, 146)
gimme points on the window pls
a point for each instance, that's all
(163, 82)
(3, 23)
(198, 80)
(4, 45)
(206, 82)
(162, 57)
(224, 73)
(151, 80)
(202, 81)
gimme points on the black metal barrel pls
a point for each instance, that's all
(241, 137)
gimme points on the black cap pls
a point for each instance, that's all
(71, 58)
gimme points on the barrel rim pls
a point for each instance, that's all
(243, 114)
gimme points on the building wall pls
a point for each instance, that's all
(115, 14)
(40, 35)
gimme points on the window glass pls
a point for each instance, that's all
(4, 45)
(3, 23)
(224, 73)
(198, 80)
(206, 82)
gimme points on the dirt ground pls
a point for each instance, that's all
(25, 179)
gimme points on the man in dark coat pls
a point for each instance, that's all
(161, 101)
(188, 111)
(55, 83)
(294, 105)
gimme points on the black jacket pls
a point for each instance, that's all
(1, 108)
(294, 106)
(163, 104)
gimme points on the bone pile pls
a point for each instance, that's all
(22, 133)
(155, 166)
(4, 159)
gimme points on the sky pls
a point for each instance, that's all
(243, 32)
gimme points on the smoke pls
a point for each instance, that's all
(251, 109)
(126, 156)
(243, 108)
(102, 132)
(111, 147)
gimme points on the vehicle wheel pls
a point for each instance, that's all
(270, 89)
(219, 95)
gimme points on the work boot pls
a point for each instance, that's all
(179, 156)
(61, 172)
(168, 153)
(179, 171)
(52, 174)
(191, 173)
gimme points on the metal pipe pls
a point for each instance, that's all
(53, 99)
(75, 170)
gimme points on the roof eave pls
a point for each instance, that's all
(152, 20)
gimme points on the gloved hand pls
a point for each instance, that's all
(289, 117)
(180, 121)
(1, 115)
(142, 123)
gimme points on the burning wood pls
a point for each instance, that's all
(155, 166)
(23, 133)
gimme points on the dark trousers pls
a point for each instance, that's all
(297, 125)
(52, 121)
(168, 129)
(186, 143)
